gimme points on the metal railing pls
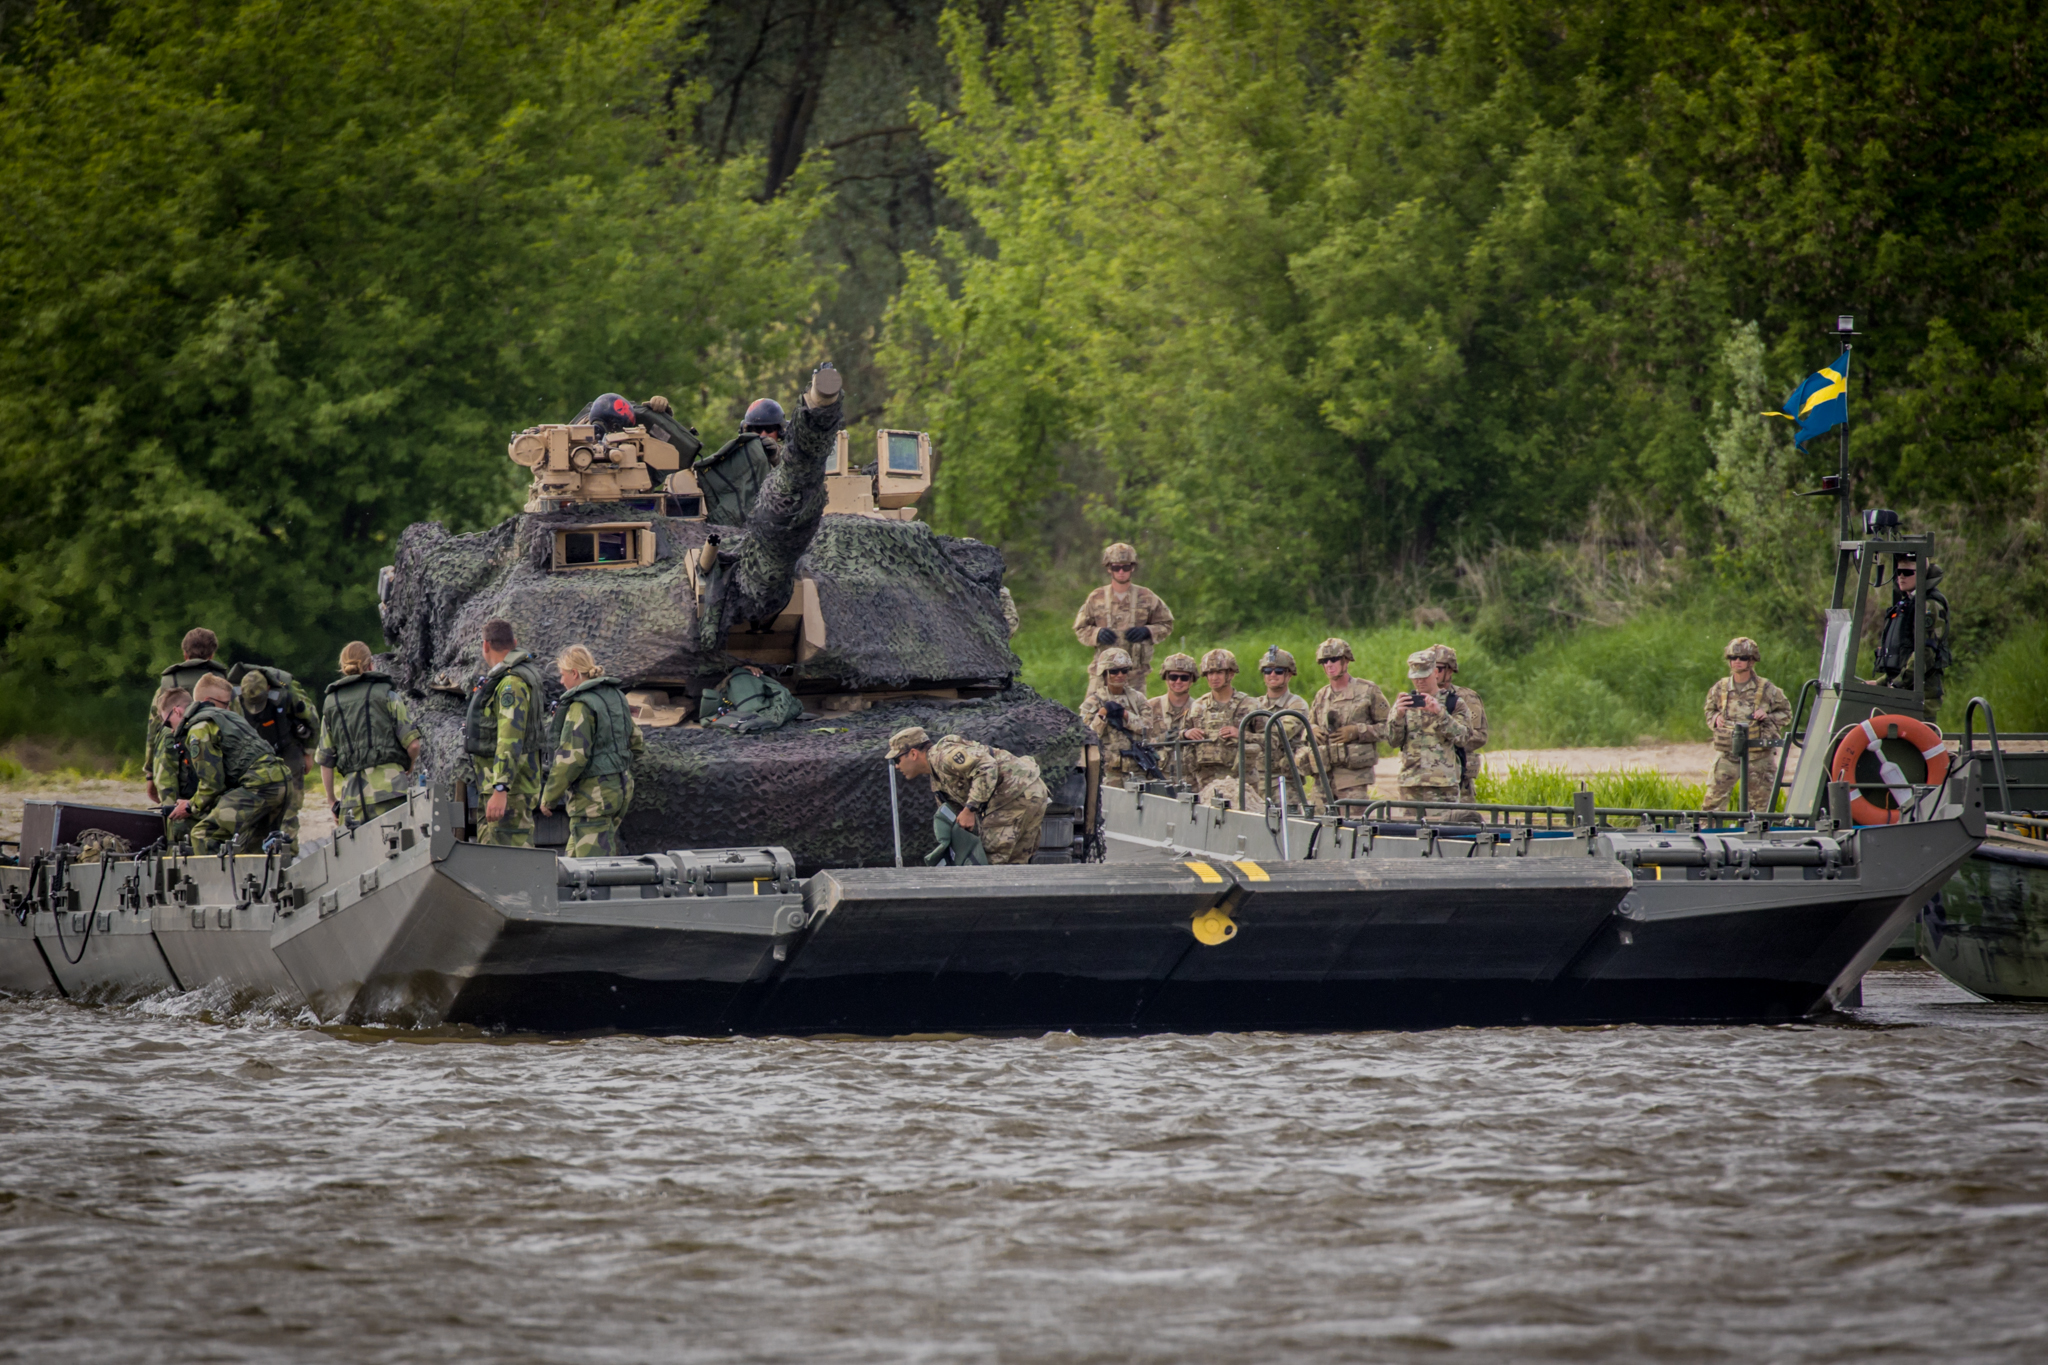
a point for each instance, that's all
(1275, 725)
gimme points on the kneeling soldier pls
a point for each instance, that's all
(1000, 796)
(366, 735)
(240, 784)
(593, 774)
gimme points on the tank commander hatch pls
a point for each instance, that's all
(1122, 615)
(1000, 797)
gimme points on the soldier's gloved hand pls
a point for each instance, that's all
(658, 404)
(1114, 710)
(1344, 734)
(334, 807)
(1138, 634)
(1105, 636)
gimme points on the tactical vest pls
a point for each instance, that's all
(188, 776)
(611, 734)
(241, 749)
(361, 728)
(480, 726)
(182, 677)
(278, 721)
(731, 478)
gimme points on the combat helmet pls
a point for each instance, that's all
(1446, 657)
(1219, 661)
(1742, 647)
(609, 412)
(1178, 663)
(1276, 657)
(1334, 648)
(763, 414)
(1119, 553)
(1113, 658)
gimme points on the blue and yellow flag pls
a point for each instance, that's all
(1820, 404)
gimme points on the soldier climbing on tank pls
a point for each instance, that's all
(367, 736)
(1895, 661)
(748, 702)
(503, 732)
(998, 796)
(198, 649)
(1122, 615)
(596, 743)
(731, 476)
(238, 781)
(272, 701)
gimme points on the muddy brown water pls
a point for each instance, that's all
(178, 1187)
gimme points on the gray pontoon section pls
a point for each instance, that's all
(1112, 949)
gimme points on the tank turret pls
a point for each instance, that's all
(873, 619)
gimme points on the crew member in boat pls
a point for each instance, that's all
(1213, 725)
(597, 741)
(368, 736)
(1744, 698)
(239, 786)
(1000, 797)
(1122, 615)
(1168, 713)
(1350, 719)
(503, 731)
(1118, 716)
(1464, 702)
(1429, 736)
(1277, 670)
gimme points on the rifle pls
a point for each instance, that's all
(1143, 754)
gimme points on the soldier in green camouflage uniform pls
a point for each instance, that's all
(1168, 716)
(272, 701)
(198, 648)
(367, 735)
(1465, 702)
(1132, 722)
(239, 784)
(172, 778)
(1429, 738)
(1743, 698)
(504, 732)
(1214, 722)
(592, 776)
(1000, 796)
(1350, 719)
(1276, 668)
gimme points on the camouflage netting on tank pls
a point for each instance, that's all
(902, 606)
(823, 795)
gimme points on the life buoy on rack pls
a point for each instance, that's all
(1863, 738)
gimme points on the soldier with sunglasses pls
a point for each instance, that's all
(1744, 698)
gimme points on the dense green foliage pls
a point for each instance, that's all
(1305, 297)
(276, 280)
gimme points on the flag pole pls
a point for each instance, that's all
(1845, 328)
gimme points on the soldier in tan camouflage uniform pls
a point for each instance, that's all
(999, 796)
(1169, 715)
(1465, 703)
(1743, 698)
(1118, 717)
(1121, 614)
(1276, 668)
(1429, 738)
(1350, 719)
(1215, 719)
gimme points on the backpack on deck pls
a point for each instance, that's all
(748, 704)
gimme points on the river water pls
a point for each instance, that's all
(180, 1187)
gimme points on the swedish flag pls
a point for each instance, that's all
(1820, 404)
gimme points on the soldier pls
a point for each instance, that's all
(1123, 614)
(1118, 716)
(173, 774)
(503, 732)
(1214, 721)
(238, 781)
(1000, 797)
(1743, 698)
(1464, 702)
(731, 476)
(198, 650)
(366, 734)
(1276, 668)
(1350, 719)
(1167, 716)
(1429, 737)
(593, 769)
(1894, 652)
(272, 701)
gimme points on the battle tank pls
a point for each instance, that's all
(831, 585)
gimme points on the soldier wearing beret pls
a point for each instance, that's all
(1000, 796)
(1122, 615)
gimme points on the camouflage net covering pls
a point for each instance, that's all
(823, 795)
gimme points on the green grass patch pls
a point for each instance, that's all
(2013, 678)
(1526, 784)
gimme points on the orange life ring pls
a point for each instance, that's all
(1863, 738)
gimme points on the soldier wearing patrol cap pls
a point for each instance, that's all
(1350, 719)
(1276, 668)
(1122, 614)
(1464, 702)
(1429, 737)
(1744, 698)
(1000, 797)
(1117, 715)
(1169, 715)
(1214, 720)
